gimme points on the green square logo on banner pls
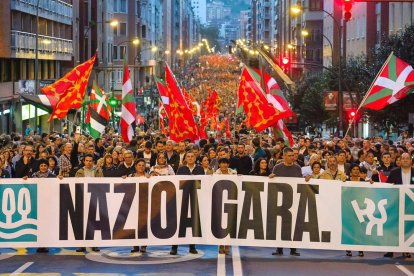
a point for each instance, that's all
(408, 217)
(370, 216)
(18, 213)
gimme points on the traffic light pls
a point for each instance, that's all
(348, 10)
(113, 102)
(352, 115)
(285, 63)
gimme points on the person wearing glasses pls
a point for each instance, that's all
(27, 165)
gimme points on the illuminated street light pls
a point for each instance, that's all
(304, 33)
(113, 23)
(295, 9)
(135, 41)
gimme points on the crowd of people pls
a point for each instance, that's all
(152, 154)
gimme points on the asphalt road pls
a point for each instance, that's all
(157, 261)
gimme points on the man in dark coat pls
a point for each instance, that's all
(190, 169)
(403, 175)
(241, 162)
(27, 165)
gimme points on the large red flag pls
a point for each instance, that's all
(181, 121)
(259, 112)
(69, 90)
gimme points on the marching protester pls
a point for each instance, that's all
(191, 168)
(43, 172)
(205, 163)
(355, 175)
(286, 169)
(161, 167)
(89, 170)
(332, 172)
(260, 168)
(403, 175)
(27, 165)
(140, 171)
(241, 162)
(224, 164)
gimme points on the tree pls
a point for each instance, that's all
(212, 35)
(402, 44)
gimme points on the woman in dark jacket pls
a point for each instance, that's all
(108, 167)
(260, 168)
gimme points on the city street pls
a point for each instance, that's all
(157, 261)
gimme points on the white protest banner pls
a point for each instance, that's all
(233, 210)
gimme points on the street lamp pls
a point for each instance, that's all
(113, 23)
(297, 10)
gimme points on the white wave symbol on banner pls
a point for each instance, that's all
(27, 230)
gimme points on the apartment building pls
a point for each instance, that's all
(18, 30)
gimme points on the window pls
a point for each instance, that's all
(120, 76)
(144, 31)
(115, 52)
(123, 6)
(315, 5)
(109, 54)
(122, 52)
(122, 28)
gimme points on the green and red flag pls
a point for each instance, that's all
(99, 111)
(128, 111)
(275, 95)
(394, 82)
(280, 130)
(69, 91)
(162, 89)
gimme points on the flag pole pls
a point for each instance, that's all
(367, 94)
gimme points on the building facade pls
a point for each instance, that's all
(18, 30)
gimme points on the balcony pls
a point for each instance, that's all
(54, 10)
(23, 45)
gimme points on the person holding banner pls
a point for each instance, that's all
(224, 164)
(140, 171)
(161, 167)
(355, 175)
(287, 169)
(191, 168)
(260, 168)
(332, 172)
(205, 163)
(89, 170)
(402, 176)
(383, 171)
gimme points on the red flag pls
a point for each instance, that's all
(191, 103)
(259, 112)
(212, 104)
(382, 177)
(69, 90)
(139, 119)
(181, 121)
